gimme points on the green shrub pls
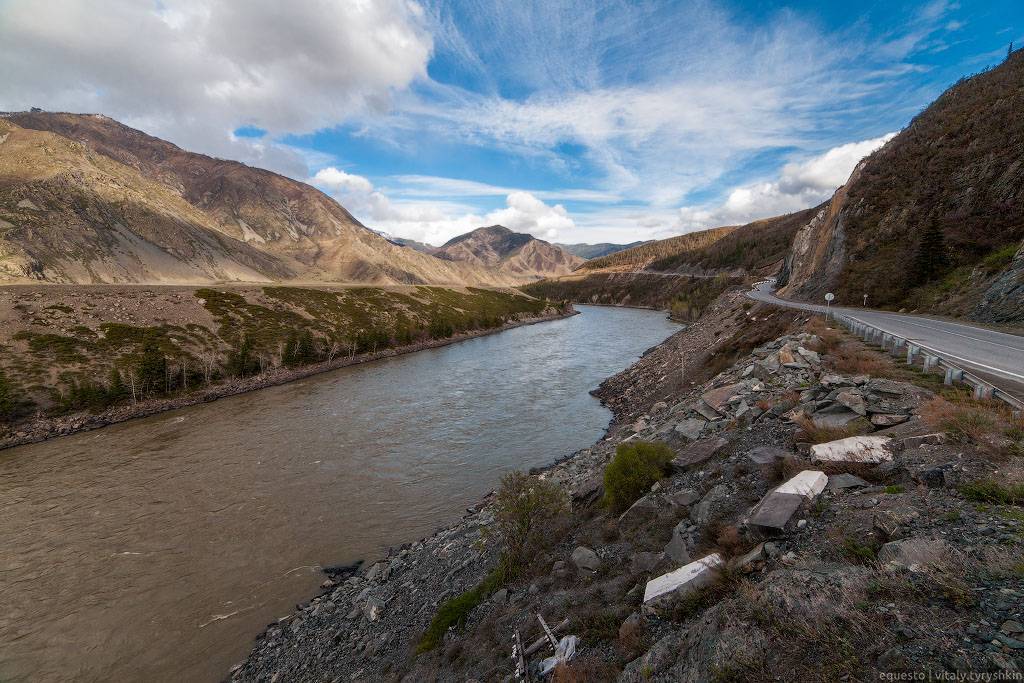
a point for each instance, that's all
(632, 472)
(453, 613)
(991, 491)
(527, 513)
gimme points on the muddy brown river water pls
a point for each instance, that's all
(157, 549)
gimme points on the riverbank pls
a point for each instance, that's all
(909, 562)
(44, 427)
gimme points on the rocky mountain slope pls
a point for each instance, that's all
(85, 199)
(933, 220)
(515, 254)
(589, 251)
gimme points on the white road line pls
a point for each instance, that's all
(998, 371)
(956, 334)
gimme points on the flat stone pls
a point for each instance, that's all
(833, 381)
(717, 398)
(639, 512)
(776, 509)
(585, 559)
(1011, 627)
(682, 581)
(834, 420)
(765, 455)
(699, 452)
(500, 596)
(913, 552)
(924, 440)
(677, 548)
(685, 498)
(845, 481)
(853, 401)
(887, 420)
(706, 411)
(869, 449)
(691, 428)
(808, 483)
(808, 355)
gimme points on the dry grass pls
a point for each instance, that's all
(811, 433)
(849, 359)
(584, 670)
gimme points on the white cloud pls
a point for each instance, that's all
(799, 186)
(437, 222)
(192, 71)
(526, 213)
(338, 181)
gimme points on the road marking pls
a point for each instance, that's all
(957, 334)
(998, 371)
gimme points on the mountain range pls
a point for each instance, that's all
(85, 199)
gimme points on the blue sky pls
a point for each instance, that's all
(576, 121)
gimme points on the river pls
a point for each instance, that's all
(157, 549)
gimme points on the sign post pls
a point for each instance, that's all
(865, 299)
(828, 303)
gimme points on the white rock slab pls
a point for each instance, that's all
(808, 484)
(684, 580)
(872, 449)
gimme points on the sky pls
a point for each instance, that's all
(574, 121)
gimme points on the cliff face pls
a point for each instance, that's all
(85, 199)
(932, 220)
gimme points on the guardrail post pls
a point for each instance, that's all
(912, 353)
(953, 375)
(982, 391)
(929, 362)
(897, 344)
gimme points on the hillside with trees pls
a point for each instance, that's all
(932, 221)
(640, 257)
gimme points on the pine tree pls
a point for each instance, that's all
(152, 367)
(116, 390)
(931, 259)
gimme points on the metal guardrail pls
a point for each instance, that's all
(899, 346)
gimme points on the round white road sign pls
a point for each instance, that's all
(830, 296)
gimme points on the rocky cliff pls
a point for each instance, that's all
(930, 221)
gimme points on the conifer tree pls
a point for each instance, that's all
(931, 258)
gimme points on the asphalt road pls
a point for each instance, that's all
(997, 356)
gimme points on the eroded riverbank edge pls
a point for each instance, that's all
(46, 428)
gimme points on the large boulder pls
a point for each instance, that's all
(914, 553)
(585, 559)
